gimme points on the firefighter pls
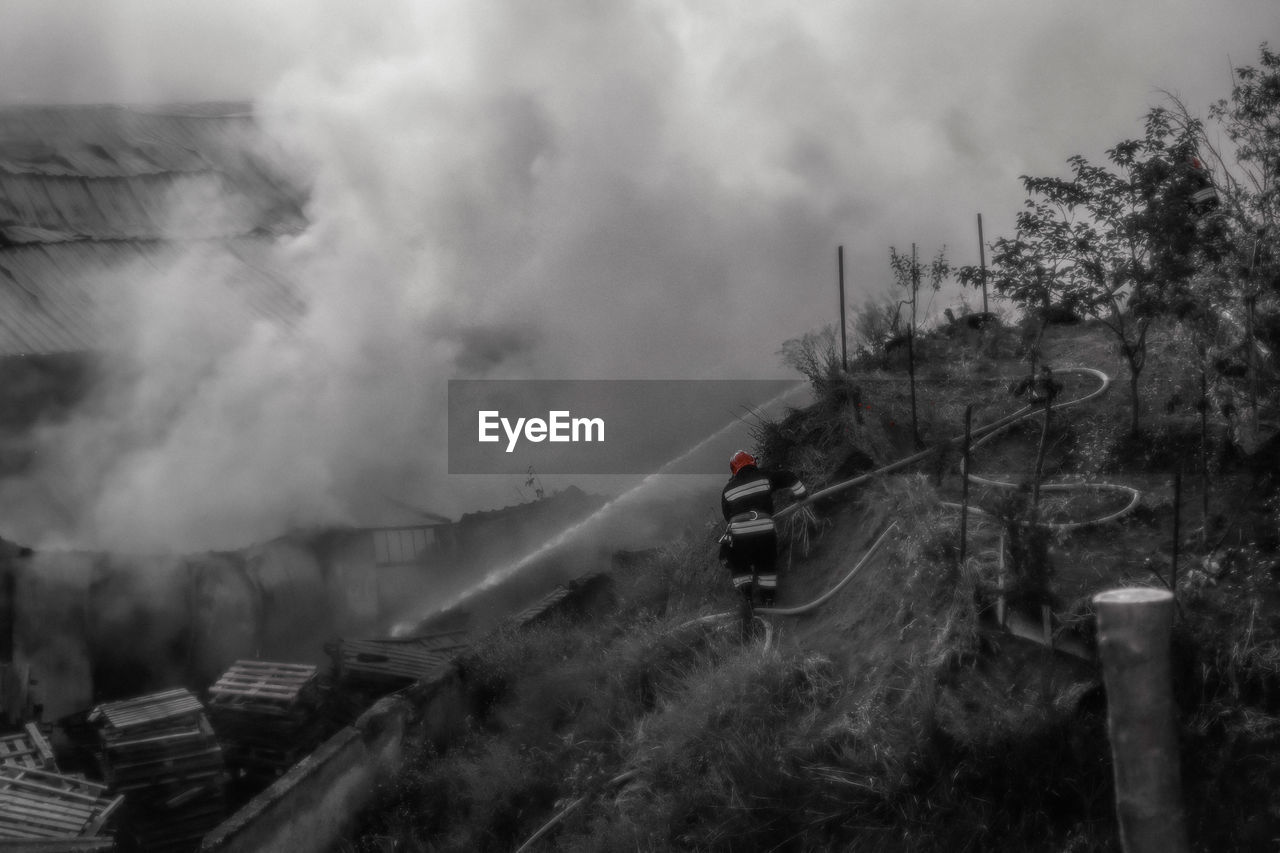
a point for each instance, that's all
(1041, 389)
(1203, 198)
(749, 546)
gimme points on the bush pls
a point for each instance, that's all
(816, 356)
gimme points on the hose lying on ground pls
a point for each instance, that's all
(977, 437)
(563, 813)
(982, 434)
(829, 594)
(1134, 495)
(804, 608)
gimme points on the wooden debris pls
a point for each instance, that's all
(29, 748)
(394, 663)
(542, 607)
(154, 709)
(161, 753)
(36, 804)
(574, 598)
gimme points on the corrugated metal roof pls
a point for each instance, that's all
(85, 192)
(52, 296)
(114, 141)
(39, 208)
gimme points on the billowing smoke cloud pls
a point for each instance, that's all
(551, 190)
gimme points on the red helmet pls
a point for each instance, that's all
(740, 460)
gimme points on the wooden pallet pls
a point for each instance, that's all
(28, 748)
(540, 608)
(267, 685)
(156, 709)
(389, 660)
(161, 752)
(176, 756)
(442, 640)
(265, 715)
(36, 804)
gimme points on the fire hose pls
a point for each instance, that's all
(978, 437)
(982, 435)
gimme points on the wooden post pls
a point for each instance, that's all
(844, 350)
(1134, 627)
(982, 261)
(964, 482)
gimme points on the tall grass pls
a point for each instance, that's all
(897, 730)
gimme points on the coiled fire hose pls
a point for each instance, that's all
(977, 438)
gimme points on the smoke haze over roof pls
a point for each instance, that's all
(552, 190)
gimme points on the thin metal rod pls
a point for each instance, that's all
(964, 482)
(911, 350)
(844, 349)
(1177, 529)
(982, 261)
(1039, 472)
(1204, 452)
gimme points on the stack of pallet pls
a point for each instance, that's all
(39, 807)
(161, 753)
(265, 716)
(380, 666)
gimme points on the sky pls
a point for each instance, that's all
(565, 189)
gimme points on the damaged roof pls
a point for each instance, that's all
(90, 194)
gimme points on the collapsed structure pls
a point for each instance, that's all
(181, 684)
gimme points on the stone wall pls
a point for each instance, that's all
(319, 798)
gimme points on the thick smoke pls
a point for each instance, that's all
(563, 190)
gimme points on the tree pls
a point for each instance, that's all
(906, 274)
(1116, 242)
(1243, 156)
(1247, 167)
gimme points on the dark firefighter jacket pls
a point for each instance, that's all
(747, 499)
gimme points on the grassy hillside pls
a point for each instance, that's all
(898, 716)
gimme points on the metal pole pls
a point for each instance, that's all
(1039, 471)
(1177, 529)
(964, 482)
(911, 350)
(1251, 303)
(982, 261)
(1000, 583)
(1134, 628)
(844, 350)
(1204, 452)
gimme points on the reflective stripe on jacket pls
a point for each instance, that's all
(752, 488)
